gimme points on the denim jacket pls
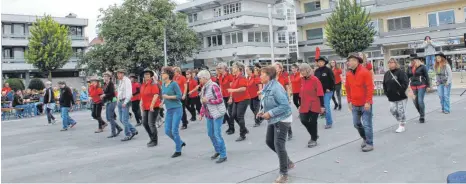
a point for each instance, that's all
(275, 102)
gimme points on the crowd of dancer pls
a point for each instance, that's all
(268, 91)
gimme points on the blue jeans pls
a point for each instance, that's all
(214, 130)
(430, 59)
(419, 101)
(124, 118)
(362, 121)
(67, 121)
(109, 112)
(444, 94)
(328, 111)
(26, 110)
(172, 124)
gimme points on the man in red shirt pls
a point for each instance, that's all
(136, 99)
(240, 99)
(224, 81)
(312, 93)
(295, 79)
(182, 82)
(359, 89)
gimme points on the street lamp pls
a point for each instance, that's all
(165, 46)
(271, 33)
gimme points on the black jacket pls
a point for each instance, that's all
(17, 100)
(49, 94)
(419, 77)
(109, 91)
(326, 77)
(66, 97)
(393, 90)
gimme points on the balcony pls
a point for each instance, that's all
(418, 34)
(242, 49)
(32, 19)
(22, 40)
(373, 6)
(227, 22)
(13, 64)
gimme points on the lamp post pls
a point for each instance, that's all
(272, 54)
(165, 46)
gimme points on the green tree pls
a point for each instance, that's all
(49, 45)
(36, 84)
(133, 35)
(348, 28)
(15, 83)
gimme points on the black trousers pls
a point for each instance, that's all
(338, 93)
(136, 110)
(148, 121)
(309, 120)
(49, 114)
(276, 139)
(96, 114)
(192, 105)
(237, 114)
(255, 106)
(184, 119)
(227, 118)
(296, 100)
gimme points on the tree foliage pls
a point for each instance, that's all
(15, 83)
(133, 35)
(36, 84)
(348, 28)
(49, 45)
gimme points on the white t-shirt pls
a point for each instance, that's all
(289, 119)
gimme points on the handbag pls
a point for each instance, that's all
(409, 92)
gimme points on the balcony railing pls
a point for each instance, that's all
(242, 44)
(422, 30)
(235, 15)
(13, 60)
(26, 36)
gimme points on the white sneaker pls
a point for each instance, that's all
(400, 129)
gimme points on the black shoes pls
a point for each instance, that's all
(184, 127)
(112, 136)
(422, 120)
(193, 119)
(328, 126)
(183, 145)
(176, 154)
(290, 136)
(241, 138)
(127, 138)
(215, 156)
(257, 125)
(339, 107)
(220, 160)
(152, 143)
(230, 131)
(118, 132)
(138, 124)
(336, 107)
(134, 134)
(62, 130)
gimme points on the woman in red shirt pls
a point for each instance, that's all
(284, 80)
(254, 86)
(239, 98)
(337, 72)
(193, 101)
(94, 92)
(150, 105)
(367, 64)
(313, 94)
(295, 79)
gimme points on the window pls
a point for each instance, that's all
(312, 6)
(292, 38)
(233, 37)
(441, 18)
(7, 29)
(258, 36)
(399, 23)
(464, 15)
(217, 12)
(231, 8)
(7, 53)
(76, 30)
(315, 34)
(18, 29)
(293, 48)
(227, 38)
(192, 17)
(281, 37)
(290, 14)
(18, 52)
(214, 40)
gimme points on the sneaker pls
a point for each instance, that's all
(400, 129)
(241, 138)
(184, 127)
(257, 125)
(62, 130)
(152, 144)
(446, 112)
(421, 120)
(98, 131)
(328, 126)
(368, 148)
(112, 136)
(290, 136)
(221, 160)
(134, 134)
(363, 144)
(54, 122)
(311, 144)
(215, 156)
(176, 154)
(74, 124)
(281, 179)
(290, 165)
(127, 138)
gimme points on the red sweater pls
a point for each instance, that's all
(359, 86)
(94, 93)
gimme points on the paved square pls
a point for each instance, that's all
(32, 152)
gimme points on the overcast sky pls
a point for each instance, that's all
(88, 9)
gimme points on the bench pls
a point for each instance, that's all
(6, 112)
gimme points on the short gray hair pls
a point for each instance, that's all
(204, 74)
(306, 68)
(222, 65)
(48, 83)
(239, 65)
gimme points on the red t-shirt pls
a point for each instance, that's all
(7, 89)
(337, 73)
(148, 90)
(224, 83)
(253, 85)
(296, 82)
(136, 86)
(311, 89)
(368, 66)
(240, 81)
(94, 93)
(181, 80)
(192, 83)
(283, 79)
(214, 79)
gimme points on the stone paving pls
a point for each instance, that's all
(32, 152)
